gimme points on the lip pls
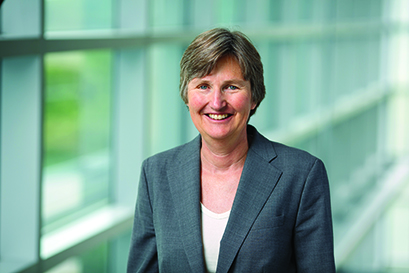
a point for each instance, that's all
(218, 117)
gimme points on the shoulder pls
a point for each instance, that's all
(298, 161)
(283, 156)
(289, 153)
(173, 156)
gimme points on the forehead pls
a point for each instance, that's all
(227, 68)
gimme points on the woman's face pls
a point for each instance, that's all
(220, 102)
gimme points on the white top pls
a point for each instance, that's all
(213, 226)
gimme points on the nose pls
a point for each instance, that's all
(217, 100)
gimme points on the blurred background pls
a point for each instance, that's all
(89, 88)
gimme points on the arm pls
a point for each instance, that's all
(143, 253)
(313, 238)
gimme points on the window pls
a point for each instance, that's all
(77, 135)
(90, 88)
(63, 15)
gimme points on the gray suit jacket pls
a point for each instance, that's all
(280, 220)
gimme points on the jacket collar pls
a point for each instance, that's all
(257, 181)
(184, 183)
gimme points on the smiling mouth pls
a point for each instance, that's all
(218, 116)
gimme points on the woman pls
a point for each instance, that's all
(230, 200)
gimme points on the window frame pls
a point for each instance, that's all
(24, 232)
(131, 39)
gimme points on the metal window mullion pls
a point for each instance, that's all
(129, 121)
(20, 161)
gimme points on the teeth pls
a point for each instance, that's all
(218, 117)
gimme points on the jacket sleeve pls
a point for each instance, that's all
(313, 238)
(143, 252)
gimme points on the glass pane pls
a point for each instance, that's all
(93, 260)
(168, 15)
(19, 18)
(167, 114)
(110, 255)
(77, 120)
(78, 14)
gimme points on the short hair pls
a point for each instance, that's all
(208, 47)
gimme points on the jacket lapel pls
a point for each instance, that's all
(257, 182)
(184, 183)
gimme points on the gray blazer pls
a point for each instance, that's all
(280, 220)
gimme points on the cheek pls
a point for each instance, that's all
(195, 102)
(243, 103)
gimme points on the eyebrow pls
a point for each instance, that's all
(236, 81)
(239, 82)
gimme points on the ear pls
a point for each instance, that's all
(253, 105)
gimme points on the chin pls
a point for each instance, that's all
(222, 134)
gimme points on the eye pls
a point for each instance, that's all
(202, 87)
(232, 87)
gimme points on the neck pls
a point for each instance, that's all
(221, 155)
